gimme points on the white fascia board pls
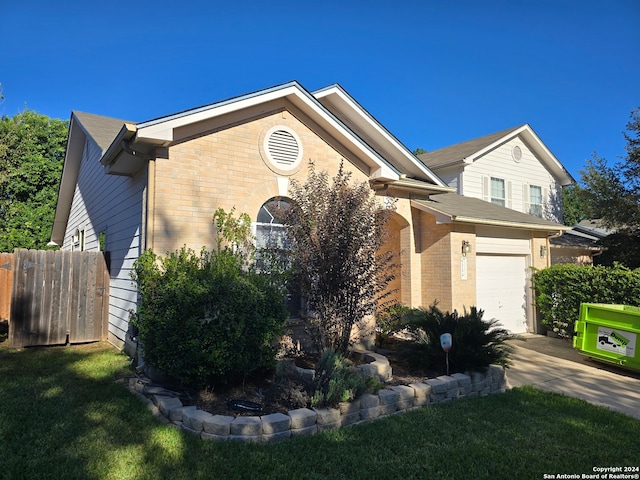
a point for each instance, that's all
(127, 132)
(381, 169)
(70, 170)
(495, 144)
(534, 142)
(384, 174)
(346, 106)
(161, 131)
(548, 158)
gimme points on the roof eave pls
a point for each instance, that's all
(161, 131)
(501, 223)
(413, 186)
(579, 247)
(126, 133)
(450, 218)
(368, 124)
(71, 166)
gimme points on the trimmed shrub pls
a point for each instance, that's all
(560, 289)
(476, 343)
(203, 319)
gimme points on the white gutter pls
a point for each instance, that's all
(485, 221)
(500, 223)
(127, 132)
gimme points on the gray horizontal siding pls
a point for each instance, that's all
(114, 205)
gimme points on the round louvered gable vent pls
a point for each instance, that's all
(283, 148)
(516, 153)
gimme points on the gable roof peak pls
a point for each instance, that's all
(100, 128)
(471, 150)
(459, 152)
(162, 131)
(349, 111)
(220, 103)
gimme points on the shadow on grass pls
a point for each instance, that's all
(63, 416)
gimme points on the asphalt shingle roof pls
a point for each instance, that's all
(575, 240)
(478, 211)
(456, 153)
(102, 129)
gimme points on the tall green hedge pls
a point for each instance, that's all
(560, 289)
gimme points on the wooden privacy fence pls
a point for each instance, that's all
(57, 297)
(6, 281)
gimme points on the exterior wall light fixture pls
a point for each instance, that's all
(466, 248)
(543, 250)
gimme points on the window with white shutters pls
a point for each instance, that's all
(535, 200)
(498, 192)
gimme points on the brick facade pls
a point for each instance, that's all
(227, 167)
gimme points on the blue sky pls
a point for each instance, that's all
(434, 73)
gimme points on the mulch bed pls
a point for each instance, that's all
(273, 395)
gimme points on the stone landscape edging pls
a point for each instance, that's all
(276, 427)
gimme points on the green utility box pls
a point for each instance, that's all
(609, 333)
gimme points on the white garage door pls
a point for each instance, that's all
(501, 290)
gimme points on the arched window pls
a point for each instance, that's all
(269, 230)
(271, 241)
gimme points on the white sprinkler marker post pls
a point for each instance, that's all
(446, 342)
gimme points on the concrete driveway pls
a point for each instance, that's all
(553, 365)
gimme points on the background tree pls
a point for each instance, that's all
(337, 232)
(419, 151)
(573, 210)
(32, 150)
(622, 246)
(612, 193)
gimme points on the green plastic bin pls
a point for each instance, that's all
(609, 333)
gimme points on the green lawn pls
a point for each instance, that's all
(62, 416)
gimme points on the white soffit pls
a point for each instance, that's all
(342, 105)
(161, 130)
(533, 141)
(71, 168)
